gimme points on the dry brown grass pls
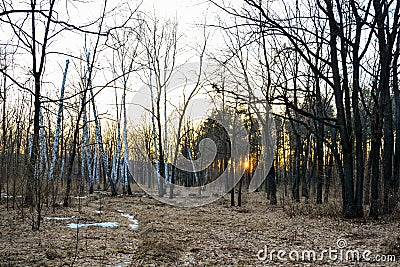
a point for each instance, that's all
(212, 235)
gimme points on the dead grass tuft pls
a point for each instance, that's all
(151, 250)
(330, 210)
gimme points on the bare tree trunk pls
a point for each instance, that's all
(357, 118)
(296, 171)
(396, 158)
(272, 185)
(87, 85)
(4, 173)
(376, 130)
(126, 146)
(345, 140)
(58, 124)
(328, 177)
(240, 189)
(385, 44)
(320, 161)
(368, 180)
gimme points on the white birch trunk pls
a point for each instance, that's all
(58, 125)
(95, 166)
(86, 149)
(114, 169)
(61, 169)
(117, 155)
(30, 145)
(160, 188)
(166, 176)
(43, 162)
(99, 137)
(82, 164)
(126, 147)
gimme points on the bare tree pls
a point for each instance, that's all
(159, 41)
(347, 30)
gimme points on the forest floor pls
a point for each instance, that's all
(212, 235)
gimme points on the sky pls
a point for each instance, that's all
(187, 11)
(189, 14)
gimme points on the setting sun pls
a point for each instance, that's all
(246, 165)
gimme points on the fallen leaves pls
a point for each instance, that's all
(212, 235)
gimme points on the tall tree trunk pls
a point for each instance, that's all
(272, 185)
(126, 146)
(240, 189)
(328, 177)
(58, 124)
(320, 162)
(307, 173)
(358, 129)
(297, 170)
(99, 140)
(345, 141)
(375, 170)
(368, 180)
(396, 159)
(385, 56)
(4, 140)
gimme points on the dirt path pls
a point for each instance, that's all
(213, 235)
